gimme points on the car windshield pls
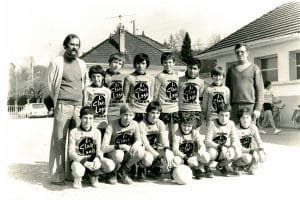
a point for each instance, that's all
(38, 105)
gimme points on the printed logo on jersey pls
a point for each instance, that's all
(116, 91)
(141, 92)
(190, 93)
(86, 146)
(221, 138)
(217, 100)
(187, 147)
(246, 141)
(125, 137)
(172, 90)
(98, 104)
(152, 137)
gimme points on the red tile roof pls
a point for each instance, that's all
(283, 20)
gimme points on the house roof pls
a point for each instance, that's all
(283, 20)
(134, 44)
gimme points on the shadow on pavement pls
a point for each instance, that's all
(35, 174)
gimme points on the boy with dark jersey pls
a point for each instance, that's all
(222, 141)
(189, 147)
(139, 87)
(155, 138)
(85, 151)
(122, 143)
(252, 145)
(215, 94)
(114, 80)
(97, 96)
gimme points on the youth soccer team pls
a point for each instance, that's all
(137, 127)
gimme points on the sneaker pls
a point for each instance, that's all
(208, 172)
(262, 132)
(112, 178)
(94, 181)
(277, 131)
(122, 175)
(197, 173)
(222, 170)
(141, 173)
(77, 183)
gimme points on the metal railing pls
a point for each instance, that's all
(13, 111)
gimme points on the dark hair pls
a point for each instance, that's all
(194, 61)
(187, 118)
(96, 69)
(223, 108)
(86, 110)
(167, 56)
(68, 38)
(116, 56)
(217, 70)
(140, 58)
(154, 105)
(267, 83)
(243, 111)
(239, 45)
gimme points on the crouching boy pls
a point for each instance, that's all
(85, 151)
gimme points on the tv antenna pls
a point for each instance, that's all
(120, 17)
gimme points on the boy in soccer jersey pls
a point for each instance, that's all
(188, 145)
(252, 145)
(85, 151)
(114, 80)
(97, 96)
(222, 141)
(139, 87)
(122, 143)
(166, 90)
(215, 94)
(155, 138)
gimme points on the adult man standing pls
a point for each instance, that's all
(245, 83)
(66, 80)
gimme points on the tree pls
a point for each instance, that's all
(214, 38)
(179, 37)
(172, 42)
(186, 50)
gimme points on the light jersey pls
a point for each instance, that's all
(154, 135)
(189, 93)
(221, 134)
(116, 86)
(212, 97)
(122, 135)
(249, 137)
(84, 144)
(139, 91)
(166, 91)
(187, 144)
(98, 98)
(268, 96)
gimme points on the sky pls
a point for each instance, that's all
(37, 28)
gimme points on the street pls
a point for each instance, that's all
(27, 159)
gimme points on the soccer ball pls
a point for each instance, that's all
(182, 174)
(276, 100)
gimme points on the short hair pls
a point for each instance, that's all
(267, 83)
(154, 105)
(86, 110)
(68, 39)
(116, 56)
(96, 69)
(167, 56)
(194, 61)
(239, 45)
(223, 108)
(125, 108)
(217, 70)
(187, 118)
(243, 111)
(140, 58)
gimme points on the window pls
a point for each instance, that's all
(298, 65)
(268, 66)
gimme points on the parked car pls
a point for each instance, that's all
(34, 110)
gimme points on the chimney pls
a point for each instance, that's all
(122, 40)
(133, 27)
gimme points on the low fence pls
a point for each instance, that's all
(13, 111)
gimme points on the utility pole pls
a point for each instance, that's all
(31, 66)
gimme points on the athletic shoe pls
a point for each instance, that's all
(262, 132)
(277, 131)
(141, 173)
(112, 178)
(222, 170)
(197, 173)
(77, 183)
(208, 172)
(122, 175)
(94, 181)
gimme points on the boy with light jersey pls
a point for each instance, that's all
(252, 145)
(222, 141)
(85, 151)
(122, 143)
(215, 94)
(166, 90)
(155, 138)
(97, 96)
(114, 80)
(139, 87)
(189, 147)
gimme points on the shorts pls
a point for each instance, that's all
(196, 114)
(168, 118)
(267, 106)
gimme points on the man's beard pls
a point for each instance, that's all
(71, 55)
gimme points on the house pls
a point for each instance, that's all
(129, 45)
(274, 44)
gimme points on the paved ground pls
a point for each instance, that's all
(27, 148)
